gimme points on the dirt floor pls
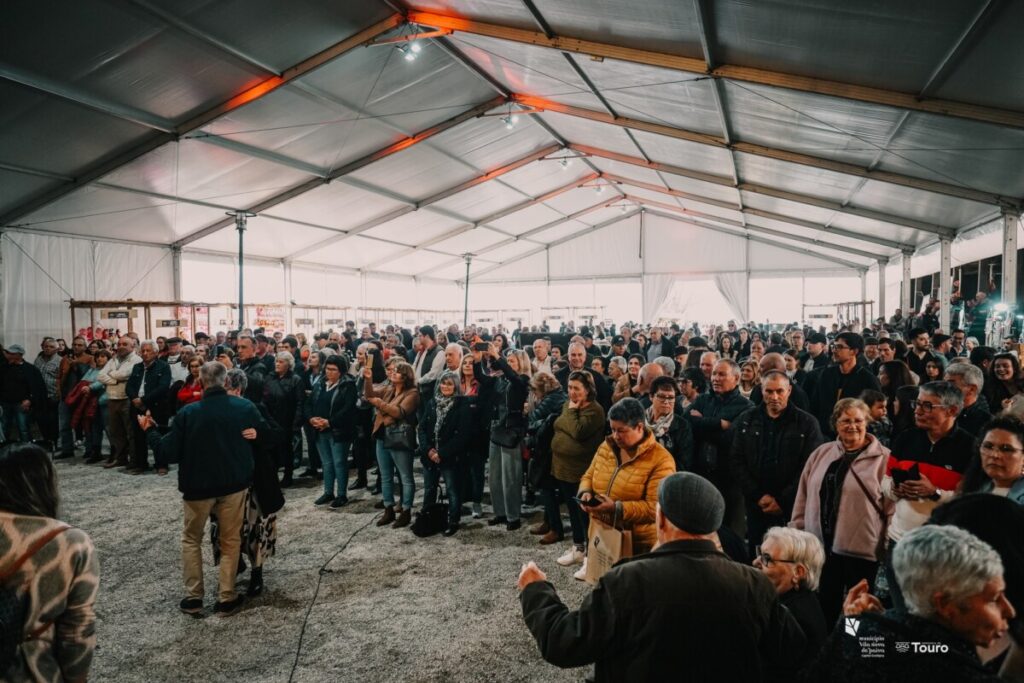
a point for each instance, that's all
(391, 607)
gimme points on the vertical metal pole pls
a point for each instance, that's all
(465, 305)
(176, 272)
(863, 299)
(881, 287)
(240, 221)
(945, 282)
(1009, 288)
(906, 285)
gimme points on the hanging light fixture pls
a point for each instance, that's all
(407, 53)
(415, 46)
(564, 162)
(599, 189)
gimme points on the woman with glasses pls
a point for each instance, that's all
(792, 560)
(670, 427)
(840, 501)
(999, 467)
(191, 390)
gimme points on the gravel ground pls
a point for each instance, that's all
(392, 607)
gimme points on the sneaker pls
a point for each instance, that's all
(581, 573)
(325, 499)
(191, 605)
(478, 511)
(572, 556)
(226, 609)
(339, 502)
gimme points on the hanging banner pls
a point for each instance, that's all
(270, 318)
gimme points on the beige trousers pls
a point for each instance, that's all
(229, 510)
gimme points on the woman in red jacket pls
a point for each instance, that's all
(191, 391)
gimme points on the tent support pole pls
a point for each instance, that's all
(906, 285)
(465, 305)
(945, 283)
(241, 217)
(881, 287)
(1009, 288)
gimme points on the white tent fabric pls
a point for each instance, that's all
(655, 291)
(42, 273)
(733, 287)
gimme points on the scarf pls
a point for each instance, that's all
(661, 425)
(443, 405)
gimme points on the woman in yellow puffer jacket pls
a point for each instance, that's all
(624, 476)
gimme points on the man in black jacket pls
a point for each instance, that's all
(255, 369)
(969, 380)
(578, 361)
(816, 355)
(843, 379)
(771, 443)
(210, 440)
(147, 392)
(684, 611)
(711, 415)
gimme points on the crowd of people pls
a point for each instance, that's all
(769, 478)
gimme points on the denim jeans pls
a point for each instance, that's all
(506, 482)
(335, 461)
(95, 437)
(563, 492)
(67, 437)
(16, 418)
(431, 477)
(388, 460)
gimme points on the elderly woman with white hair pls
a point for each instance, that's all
(954, 590)
(792, 560)
(284, 394)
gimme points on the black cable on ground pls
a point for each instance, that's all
(320, 578)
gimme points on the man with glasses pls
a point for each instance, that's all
(928, 461)
(845, 378)
(958, 345)
(771, 443)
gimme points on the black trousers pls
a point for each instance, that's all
(758, 523)
(839, 575)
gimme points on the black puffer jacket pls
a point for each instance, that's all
(507, 395)
(454, 438)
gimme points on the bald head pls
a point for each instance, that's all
(772, 361)
(648, 373)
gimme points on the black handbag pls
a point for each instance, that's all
(539, 469)
(432, 519)
(400, 436)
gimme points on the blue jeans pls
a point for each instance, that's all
(388, 460)
(14, 416)
(431, 477)
(67, 438)
(95, 438)
(334, 455)
(506, 481)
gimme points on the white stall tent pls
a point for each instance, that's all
(633, 160)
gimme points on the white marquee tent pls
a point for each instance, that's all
(569, 148)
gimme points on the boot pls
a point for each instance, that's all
(241, 566)
(388, 516)
(255, 582)
(540, 529)
(404, 518)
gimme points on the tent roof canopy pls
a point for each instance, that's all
(849, 134)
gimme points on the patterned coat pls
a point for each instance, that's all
(61, 581)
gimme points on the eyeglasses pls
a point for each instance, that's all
(840, 347)
(1003, 448)
(767, 559)
(661, 397)
(851, 422)
(925, 406)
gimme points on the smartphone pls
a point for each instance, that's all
(482, 346)
(593, 502)
(369, 360)
(913, 473)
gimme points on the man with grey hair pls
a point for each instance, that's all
(710, 416)
(969, 380)
(148, 392)
(542, 356)
(707, 364)
(927, 461)
(774, 362)
(683, 611)
(577, 357)
(453, 358)
(667, 364)
(954, 588)
(211, 442)
(115, 375)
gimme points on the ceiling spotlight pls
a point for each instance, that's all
(415, 46)
(509, 121)
(407, 53)
(564, 161)
(599, 189)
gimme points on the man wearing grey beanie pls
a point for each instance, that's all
(684, 611)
